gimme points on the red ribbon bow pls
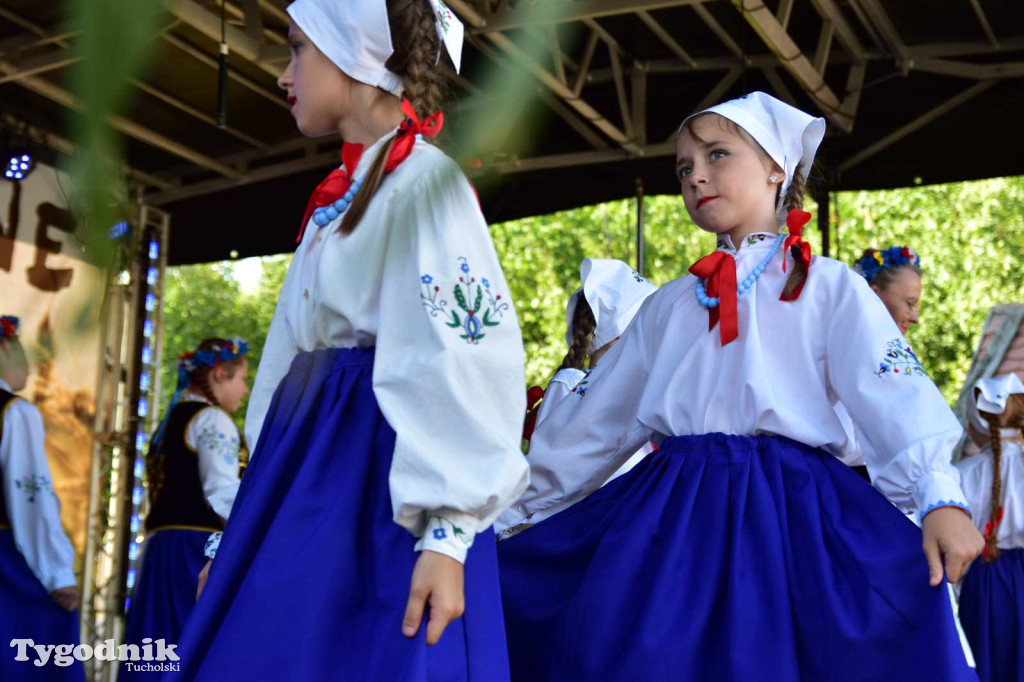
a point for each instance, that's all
(718, 270)
(990, 529)
(339, 180)
(795, 221)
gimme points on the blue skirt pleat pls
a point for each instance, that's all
(992, 615)
(728, 559)
(27, 612)
(312, 575)
(165, 591)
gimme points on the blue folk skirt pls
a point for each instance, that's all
(992, 615)
(27, 612)
(165, 591)
(732, 559)
(312, 575)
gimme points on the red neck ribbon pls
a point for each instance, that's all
(718, 270)
(795, 221)
(339, 180)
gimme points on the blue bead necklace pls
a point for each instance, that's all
(325, 214)
(744, 286)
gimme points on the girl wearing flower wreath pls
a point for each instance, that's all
(743, 549)
(992, 594)
(381, 421)
(596, 315)
(192, 473)
(39, 596)
(895, 276)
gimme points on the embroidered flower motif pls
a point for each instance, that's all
(638, 277)
(426, 279)
(33, 485)
(472, 322)
(222, 444)
(754, 238)
(900, 359)
(440, 534)
(212, 545)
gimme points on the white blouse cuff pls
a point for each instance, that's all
(212, 544)
(449, 533)
(569, 376)
(65, 577)
(936, 490)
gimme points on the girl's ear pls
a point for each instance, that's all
(217, 374)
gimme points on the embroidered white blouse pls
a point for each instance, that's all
(560, 386)
(976, 473)
(420, 280)
(213, 436)
(32, 507)
(792, 362)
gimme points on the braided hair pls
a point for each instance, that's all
(795, 200)
(1011, 418)
(416, 49)
(583, 326)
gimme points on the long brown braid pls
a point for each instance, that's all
(416, 48)
(794, 200)
(1011, 418)
(583, 326)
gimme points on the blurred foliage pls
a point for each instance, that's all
(970, 236)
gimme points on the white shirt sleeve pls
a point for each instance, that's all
(561, 386)
(590, 433)
(909, 431)
(448, 372)
(214, 438)
(32, 506)
(279, 350)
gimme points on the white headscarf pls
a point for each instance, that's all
(789, 136)
(614, 292)
(994, 392)
(356, 36)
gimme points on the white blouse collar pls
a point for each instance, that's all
(370, 153)
(194, 397)
(754, 240)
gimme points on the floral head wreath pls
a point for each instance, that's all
(9, 326)
(874, 261)
(224, 350)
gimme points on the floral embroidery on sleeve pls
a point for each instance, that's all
(900, 359)
(221, 444)
(33, 485)
(484, 311)
(584, 385)
(440, 531)
(212, 545)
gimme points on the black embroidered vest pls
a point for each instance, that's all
(6, 398)
(175, 491)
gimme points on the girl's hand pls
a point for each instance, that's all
(437, 580)
(68, 598)
(950, 534)
(204, 575)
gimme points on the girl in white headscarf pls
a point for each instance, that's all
(744, 550)
(596, 315)
(992, 594)
(380, 420)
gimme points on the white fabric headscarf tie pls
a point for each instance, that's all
(614, 292)
(356, 36)
(789, 136)
(994, 392)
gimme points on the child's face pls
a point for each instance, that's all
(318, 91)
(725, 180)
(13, 365)
(902, 298)
(229, 390)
